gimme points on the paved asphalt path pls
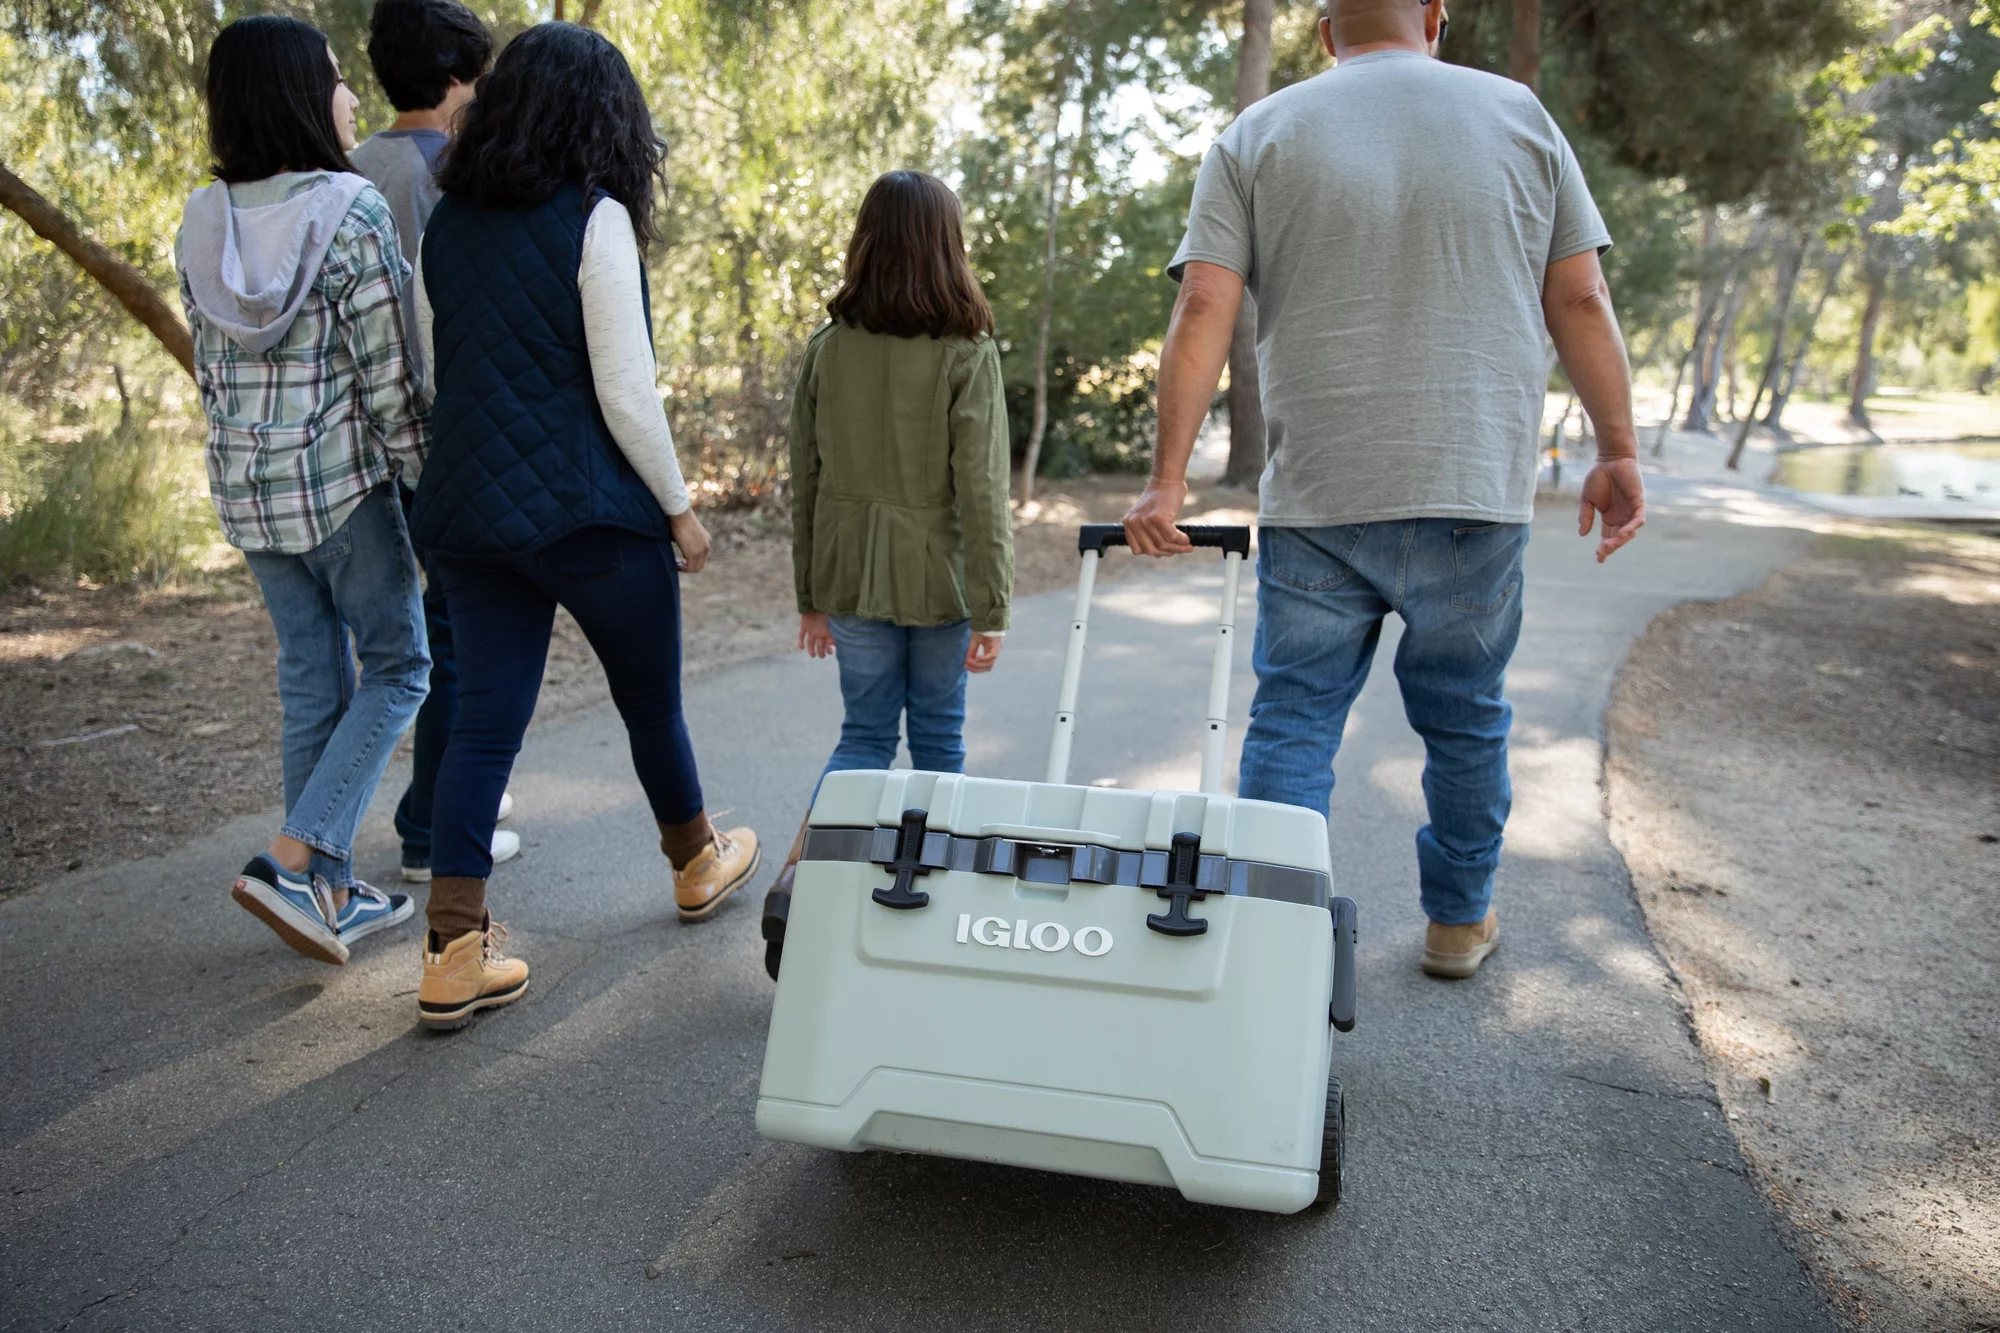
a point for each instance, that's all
(201, 1130)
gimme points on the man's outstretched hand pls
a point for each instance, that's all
(1149, 525)
(1615, 492)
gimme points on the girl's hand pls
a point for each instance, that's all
(816, 634)
(692, 539)
(985, 651)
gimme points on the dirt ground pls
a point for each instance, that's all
(133, 719)
(1806, 783)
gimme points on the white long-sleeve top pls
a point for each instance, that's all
(620, 347)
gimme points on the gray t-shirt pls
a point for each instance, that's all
(1394, 218)
(399, 164)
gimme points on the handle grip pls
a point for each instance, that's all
(1098, 536)
(1340, 1010)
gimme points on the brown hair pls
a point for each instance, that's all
(907, 275)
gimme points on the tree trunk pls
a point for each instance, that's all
(1708, 362)
(1863, 383)
(1788, 285)
(1039, 421)
(1789, 384)
(1673, 402)
(1729, 362)
(1247, 442)
(1524, 51)
(125, 283)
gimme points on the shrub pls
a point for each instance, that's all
(122, 503)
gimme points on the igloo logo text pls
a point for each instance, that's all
(1048, 937)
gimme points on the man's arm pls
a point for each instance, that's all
(1576, 304)
(1191, 362)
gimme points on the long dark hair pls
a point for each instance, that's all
(270, 100)
(907, 274)
(560, 106)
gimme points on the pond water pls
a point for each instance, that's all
(1967, 470)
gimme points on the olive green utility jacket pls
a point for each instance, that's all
(899, 480)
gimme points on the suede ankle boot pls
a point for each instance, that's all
(708, 865)
(467, 974)
(1455, 952)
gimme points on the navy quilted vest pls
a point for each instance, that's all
(520, 455)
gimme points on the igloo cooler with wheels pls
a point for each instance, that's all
(1130, 985)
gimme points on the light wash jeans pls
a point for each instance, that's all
(339, 733)
(1322, 594)
(890, 671)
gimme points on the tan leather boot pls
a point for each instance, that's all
(467, 974)
(718, 870)
(1457, 951)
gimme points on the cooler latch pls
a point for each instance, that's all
(1183, 884)
(908, 862)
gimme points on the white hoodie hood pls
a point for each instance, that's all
(249, 269)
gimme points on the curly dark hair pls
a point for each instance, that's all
(559, 107)
(907, 274)
(418, 47)
(269, 88)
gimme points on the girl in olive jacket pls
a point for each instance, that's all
(902, 544)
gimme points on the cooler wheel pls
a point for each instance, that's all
(1332, 1146)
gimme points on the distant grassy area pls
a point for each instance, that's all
(124, 501)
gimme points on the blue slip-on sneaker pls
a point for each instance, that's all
(369, 910)
(298, 907)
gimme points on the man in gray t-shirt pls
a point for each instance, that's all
(1410, 230)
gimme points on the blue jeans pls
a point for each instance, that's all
(353, 595)
(1322, 594)
(624, 591)
(889, 671)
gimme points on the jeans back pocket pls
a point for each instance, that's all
(1486, 565)
(1309, 559)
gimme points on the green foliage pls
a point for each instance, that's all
(1703, 91)
(778, 117)
(1861, 124)
(1052, 86)
(1960, 186)
(125, 502)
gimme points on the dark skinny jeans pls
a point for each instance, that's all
(624, 591)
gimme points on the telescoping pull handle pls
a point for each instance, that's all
(1092, 540)
(1097, 536)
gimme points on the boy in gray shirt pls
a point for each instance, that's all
(426, 55)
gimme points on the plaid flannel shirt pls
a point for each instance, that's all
(298, 435)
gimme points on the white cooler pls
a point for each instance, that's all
(1136, 986)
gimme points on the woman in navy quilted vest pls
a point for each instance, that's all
(552, 479)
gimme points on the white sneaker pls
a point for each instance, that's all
(506, 808)
(506, 846)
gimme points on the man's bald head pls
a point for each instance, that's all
(1378, 24)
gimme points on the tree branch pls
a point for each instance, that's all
(117, 277)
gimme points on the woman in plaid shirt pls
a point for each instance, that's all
(291, 274)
